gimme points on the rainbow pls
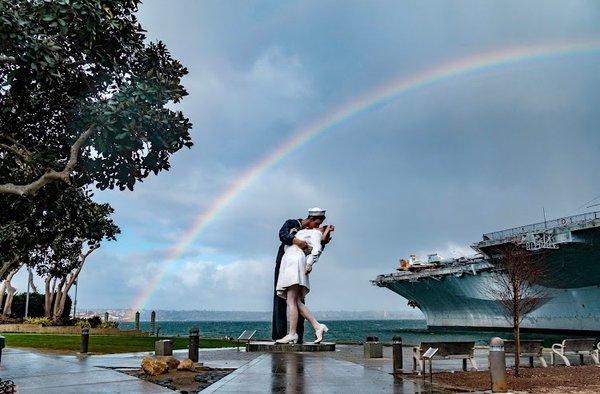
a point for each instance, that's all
(479, 63)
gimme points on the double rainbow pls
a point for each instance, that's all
(479, 63)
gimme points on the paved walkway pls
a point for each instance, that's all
(345, 370)
(35, 373)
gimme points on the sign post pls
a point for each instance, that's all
(428, 355)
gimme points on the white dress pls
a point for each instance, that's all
(294, 262)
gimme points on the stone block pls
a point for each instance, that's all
(164, 347)
(260, 346)
(373, 349)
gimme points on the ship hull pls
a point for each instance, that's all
(465, 301)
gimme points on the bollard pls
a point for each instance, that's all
(193, 344)
(85, 340)
(2, 345)
(137, 321)
(497, 361)
(397, 354)
(152, 322)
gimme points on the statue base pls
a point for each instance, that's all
(264, 346)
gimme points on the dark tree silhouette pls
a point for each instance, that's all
(516, 287)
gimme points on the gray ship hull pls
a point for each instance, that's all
(452, 301)
(456, 293)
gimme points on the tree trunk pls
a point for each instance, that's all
(31, 283)
(67, 283)
(517, 333)
(48, 296)
(10, 293)
(2, 292)
(58, 301)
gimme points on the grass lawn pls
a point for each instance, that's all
(103, 343)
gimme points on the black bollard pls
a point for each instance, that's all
(137, 321)
(194, 343)
(397, 354)
(85, 340)
(2, 345)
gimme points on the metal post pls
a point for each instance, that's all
(397, 354)
(497, 359)
(85, 340)
(137, 320)
(106, 316)
(193, 344)
(152, 322)
(430, 370)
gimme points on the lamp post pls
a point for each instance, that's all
(27, 296)
(75, 301)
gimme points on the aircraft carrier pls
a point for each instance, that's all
(454, 293)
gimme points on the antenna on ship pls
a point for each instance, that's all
(544, 213)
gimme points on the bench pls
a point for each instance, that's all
(529, 348)
(580, 346)
(446, 351)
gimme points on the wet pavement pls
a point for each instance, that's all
(36, 372)
(345, 370)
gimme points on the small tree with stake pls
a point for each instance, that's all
(516, 286)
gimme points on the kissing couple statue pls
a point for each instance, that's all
(302, 242)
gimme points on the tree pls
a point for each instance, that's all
(7, 289)
(50, 227)
(57, 285)
(53, 232)
(84, 99)
(516, 286)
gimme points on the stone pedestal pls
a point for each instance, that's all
(373, 349)
(163, 347)
(260, 346)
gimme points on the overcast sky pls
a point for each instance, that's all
(427, 172)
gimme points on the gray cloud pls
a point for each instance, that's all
(428, 172)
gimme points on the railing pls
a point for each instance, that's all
(562, 222)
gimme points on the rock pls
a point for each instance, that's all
(152, 366)
(171, 361)
(187, 365)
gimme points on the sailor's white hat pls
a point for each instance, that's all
(316, 212)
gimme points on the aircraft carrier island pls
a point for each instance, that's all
(454, 293)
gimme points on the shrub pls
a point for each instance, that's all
(95, 321)
(44, 321)
(36, 306)
(83, 323)
(109, 324)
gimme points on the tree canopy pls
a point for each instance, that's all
(84, 98)
(49, 230)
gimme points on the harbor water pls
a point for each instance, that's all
(411, 331)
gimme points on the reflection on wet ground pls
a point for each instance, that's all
(345, 370)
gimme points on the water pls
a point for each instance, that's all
(411, 331)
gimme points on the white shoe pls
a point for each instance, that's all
(320, 331)
(288, 339)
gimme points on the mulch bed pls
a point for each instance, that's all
(185, 381)
(561, 379)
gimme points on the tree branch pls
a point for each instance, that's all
(7, 59)
(51, 176)
(15, 151)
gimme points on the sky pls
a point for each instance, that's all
(429, 171)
